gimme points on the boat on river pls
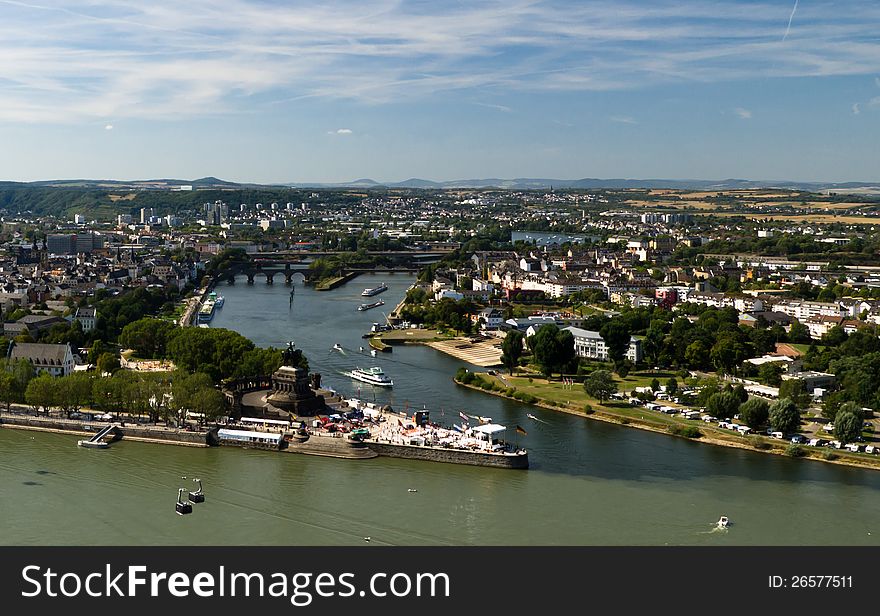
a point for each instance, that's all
(375, 290)
(206, 312)
(363, 307)
(374, 376)
(723, 522)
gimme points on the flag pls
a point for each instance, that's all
(463, 416)
(521, 430)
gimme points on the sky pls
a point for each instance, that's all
(271, 91)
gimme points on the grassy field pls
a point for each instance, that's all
(817, 218)
(414, 335)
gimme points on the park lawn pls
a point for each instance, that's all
(420, 335)
(575, 397)
(643, 379)
(803, 348)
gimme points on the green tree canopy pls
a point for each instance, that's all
(754, 412)
(600, 385)
(847, 426)
(723, 405)
(512, 350)
(785, 416)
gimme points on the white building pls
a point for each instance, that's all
(56, 359)
(591, 345)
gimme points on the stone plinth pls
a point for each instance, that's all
(292, 393)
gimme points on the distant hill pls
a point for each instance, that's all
(599, 183)
(499, 183)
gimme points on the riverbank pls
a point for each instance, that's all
(130, 432)
(328, 284)
(636, 417)
(484, 353)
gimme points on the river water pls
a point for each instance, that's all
(590, 482)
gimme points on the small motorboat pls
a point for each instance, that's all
(93, 444)
(530, 416)
(361, 349)
(412, 490)
(182, 507)
(337, 347)
(198, 496)
(723, 522)
(373, 353)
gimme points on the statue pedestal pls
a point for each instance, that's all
(291, 392)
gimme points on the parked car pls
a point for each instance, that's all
(798, 439)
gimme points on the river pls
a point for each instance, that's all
(590, 482)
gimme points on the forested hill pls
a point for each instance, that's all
(105, 204)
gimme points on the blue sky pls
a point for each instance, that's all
(257, 90)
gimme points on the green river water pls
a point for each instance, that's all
(590, 482)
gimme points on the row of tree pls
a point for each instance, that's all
(151, 395)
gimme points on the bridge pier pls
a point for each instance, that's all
(270, 276)
(250, 277)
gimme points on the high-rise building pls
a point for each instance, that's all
(61, 243)
(146, 213)
(123, 219)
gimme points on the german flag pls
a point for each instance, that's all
(521, 430)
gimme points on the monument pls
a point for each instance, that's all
(291, 390)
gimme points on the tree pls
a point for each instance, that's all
(671, 386)
(553, 349)
(185, 389)
(147, 337)
(799, 333)
(512, 350)
(40, 392)
(754, 412)
(655, 384)
(723, 405)
(108, 363)
(8, 389)
(794, 390)
(785, 416)
(696, 355)
(770, 374)
(847, 426)
(617, 338)
(600, 385)
(73, 392)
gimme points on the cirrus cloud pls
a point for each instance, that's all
(70, 61)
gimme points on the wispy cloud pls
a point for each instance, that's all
(623, 119)
(340, 131)
(856, 109)
(745, 114)
(72, 61)
(503, 108)
(108, 127)
(790, 18)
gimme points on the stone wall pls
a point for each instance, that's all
(453, 456)
(128, 431)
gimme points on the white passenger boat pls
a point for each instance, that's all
(374, 376)
(375, 290)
